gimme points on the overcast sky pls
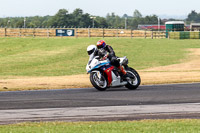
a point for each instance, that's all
(12, 8)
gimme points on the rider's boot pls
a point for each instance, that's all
(125, 74)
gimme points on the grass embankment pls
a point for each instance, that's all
(150, 126)
(32, 60)
(59, 57)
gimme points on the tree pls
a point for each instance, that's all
(114, 20)
(60, 19)
(19, 23)
(151, 19)
(125, 16)
(193, 16)
(101, 22)
(81, 19)
(137, 14)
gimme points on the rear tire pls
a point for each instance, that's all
(99, 84)
(133, 83)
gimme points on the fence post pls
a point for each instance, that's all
(152, 35)
(89, 32)
(131, 33)
(47, 32)
(76, 32)
(103, 32)
(5, 30)
(20, 32)
(117, 33)
(168, 35)
(33, 32)
(145, 34)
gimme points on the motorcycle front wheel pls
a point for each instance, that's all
(98, 81)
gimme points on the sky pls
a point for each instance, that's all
(14, 8)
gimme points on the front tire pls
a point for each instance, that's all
(133, 83)
(99, 83)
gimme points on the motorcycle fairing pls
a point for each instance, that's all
(99, 65)
(108, 72)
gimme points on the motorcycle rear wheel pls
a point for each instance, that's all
(99, 84)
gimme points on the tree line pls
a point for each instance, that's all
(193, 17)
(79, 19)
(84, 20)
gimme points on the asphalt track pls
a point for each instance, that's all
(158, 101)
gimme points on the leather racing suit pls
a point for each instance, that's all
(108, 52)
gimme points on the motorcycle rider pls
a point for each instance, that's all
(106, 51)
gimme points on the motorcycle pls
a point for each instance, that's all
(103, 75)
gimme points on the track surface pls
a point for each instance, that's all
(145, 95)
(163, 101)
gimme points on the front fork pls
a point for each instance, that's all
(99, 75)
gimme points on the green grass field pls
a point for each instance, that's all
(68, 56)
(143, 126)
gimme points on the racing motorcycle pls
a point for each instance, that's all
(103, 75)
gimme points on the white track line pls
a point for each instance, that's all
(73, 114)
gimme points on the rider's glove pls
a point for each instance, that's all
(105, 57)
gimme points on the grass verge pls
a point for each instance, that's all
(150, 126)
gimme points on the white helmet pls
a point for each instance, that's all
(91, 49)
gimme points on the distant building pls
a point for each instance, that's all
(174, 26)
(151, 27)
(155, 27)
(195, 26)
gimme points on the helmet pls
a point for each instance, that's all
(101, 44)
(91, 49)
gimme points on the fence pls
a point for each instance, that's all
(184, 35)
(81, 32)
